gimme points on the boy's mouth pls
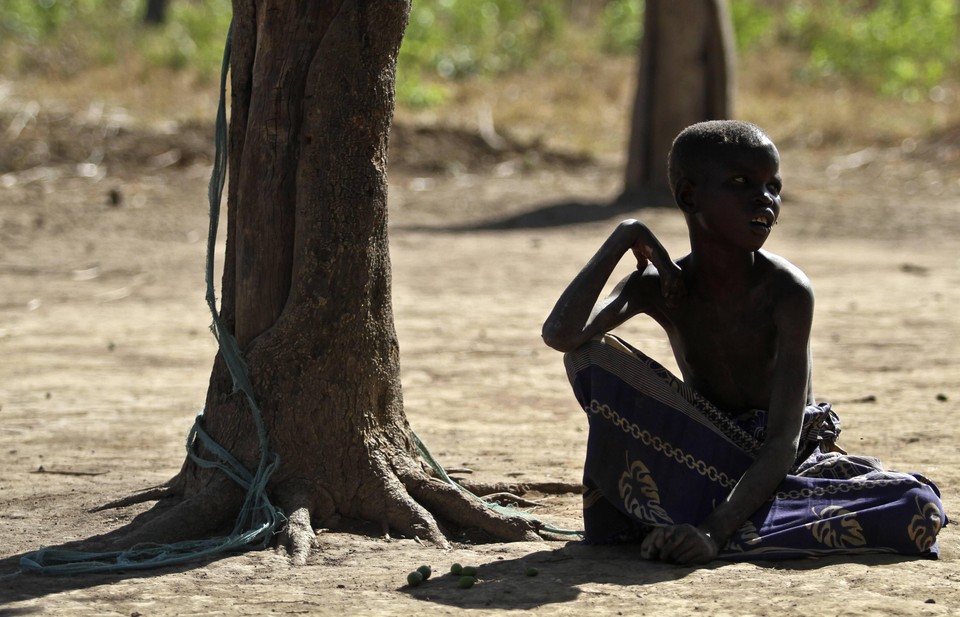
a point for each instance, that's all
(762, 220)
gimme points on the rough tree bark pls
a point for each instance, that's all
(306, 286)
(685, 76)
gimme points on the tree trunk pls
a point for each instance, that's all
(306, 284)
(156, 13)
(685, 76)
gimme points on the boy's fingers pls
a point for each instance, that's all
(680, 544)
(642, 250)
(690, 547)
(675, 554)
(673, 543)
(688, 555)
(642, 259)
(652, 543)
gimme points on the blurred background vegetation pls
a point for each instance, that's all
(899, 49)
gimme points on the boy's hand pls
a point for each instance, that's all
(671, 283)
(648, 250)
(681, 544)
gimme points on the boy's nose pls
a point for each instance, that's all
(766, 197)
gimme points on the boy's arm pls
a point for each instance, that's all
(578, 316)
(688, 544)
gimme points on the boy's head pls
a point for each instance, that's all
(700, 144)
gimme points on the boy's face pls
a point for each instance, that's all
(737, 194)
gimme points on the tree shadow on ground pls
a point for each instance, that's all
(559, 214)
(815, 563)
(506, 583)
(502, 583)
(18, 584)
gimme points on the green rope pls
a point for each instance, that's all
(505, 510)
(258, 519)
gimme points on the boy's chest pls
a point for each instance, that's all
(736, 340)
(731, 360)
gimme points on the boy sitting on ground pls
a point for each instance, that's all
(736, 460)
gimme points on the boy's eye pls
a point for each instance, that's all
(775, 188)
(740, 180)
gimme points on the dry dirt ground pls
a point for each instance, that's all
(105, 354)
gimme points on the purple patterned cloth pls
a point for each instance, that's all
(658, 454)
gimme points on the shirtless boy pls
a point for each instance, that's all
(737, 317)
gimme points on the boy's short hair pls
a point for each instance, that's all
(697, 140)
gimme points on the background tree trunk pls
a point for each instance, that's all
(306, 283)
(156, 12)
(685, 76)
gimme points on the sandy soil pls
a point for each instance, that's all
(105, 354)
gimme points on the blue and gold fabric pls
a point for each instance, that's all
(658, 453)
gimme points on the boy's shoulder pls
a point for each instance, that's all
(783, 276)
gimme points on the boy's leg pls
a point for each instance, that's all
(659, 454)
(879, 511)
(655, 452)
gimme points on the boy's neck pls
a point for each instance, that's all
(720, 272)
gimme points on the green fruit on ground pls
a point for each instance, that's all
(468, 571)
(425, 571)
(414, 578)
(456, 569)
(531, 572)
(466, 582)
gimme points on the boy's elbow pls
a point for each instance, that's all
(558, 340)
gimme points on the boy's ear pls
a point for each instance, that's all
(684, 195)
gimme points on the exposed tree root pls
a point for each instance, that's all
(454, 470)
(406, 515)
(509, 499)
(174, 487)
(519, 488)
(298, 536)
(303, 502)
(190, 518)
(404, 498)
(154, 493)
(452, 504)
(413, 506)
